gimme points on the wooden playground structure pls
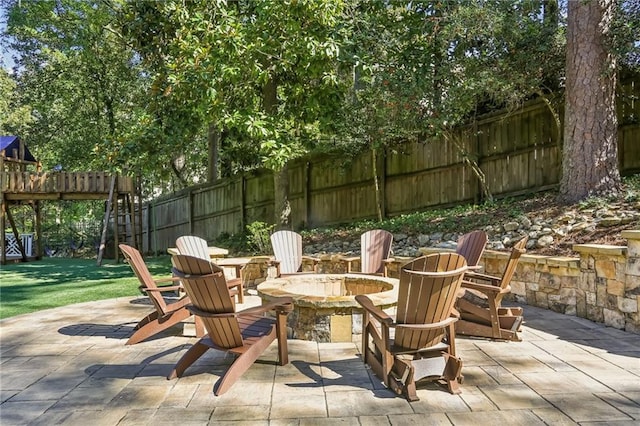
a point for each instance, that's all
(23, 183)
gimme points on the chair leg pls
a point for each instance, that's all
(470, 328)
(402, 379)
(510, 322)
(452, 373)
(364, 342)
(200, 331)
(495, 320)
(240, 293)
(513, 311)
(153, 316)
(241, 364)
(281, 336)
(191, 356)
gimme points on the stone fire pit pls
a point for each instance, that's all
(325, 309)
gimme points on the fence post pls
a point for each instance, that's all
(382, 168)
(307, 193)
(243, 203)
(190, 210)
(153, 237)
(477, 197)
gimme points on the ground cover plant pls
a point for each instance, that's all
(53, 282)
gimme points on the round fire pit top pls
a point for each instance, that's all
(331, 290)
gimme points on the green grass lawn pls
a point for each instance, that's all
(52, 282)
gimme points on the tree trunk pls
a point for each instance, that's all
(470, 159)
(280, 177)
(376, 183)
(590, 151)
(282, 204)
(213, 138)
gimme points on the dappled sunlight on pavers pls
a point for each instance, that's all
(70, 365)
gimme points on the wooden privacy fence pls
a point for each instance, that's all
(519, 152)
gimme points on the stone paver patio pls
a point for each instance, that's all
(70, 366)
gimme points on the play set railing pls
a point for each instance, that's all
(62, 182)
(13, 249)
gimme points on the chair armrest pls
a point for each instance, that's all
(437, 274)
(480, 276)
(485, 288)
(314, 262)
(201, 313)
(162, 289)
(440, 324)
(233, 282)
(280, 304)
(276, 264)
(166, 280)
(375, 311)
(349, 260)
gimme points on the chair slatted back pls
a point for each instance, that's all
(135, 260)
(427, 298)
(193, 246)
(375, 246)
(206, 286)
(287, 249)
(471, 246)
(517, 251)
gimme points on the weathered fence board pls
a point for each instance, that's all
(629, 143)
(259, 196)
(217, 209)
(168, 218)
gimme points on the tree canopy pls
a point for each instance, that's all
(143, 85)
(79, 80)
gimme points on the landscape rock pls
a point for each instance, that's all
(610, 221)
(544, 232)
(544, 241)
(423, 239)
(511, 226)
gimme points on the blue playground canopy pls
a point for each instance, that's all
(12, 143)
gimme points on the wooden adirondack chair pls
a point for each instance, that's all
(287, 250)
(481, 313)
(165, 314)
(375, 248)
(420, 342)
(198, 247)
(246, 333)
(193, 246)
(471, 246)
